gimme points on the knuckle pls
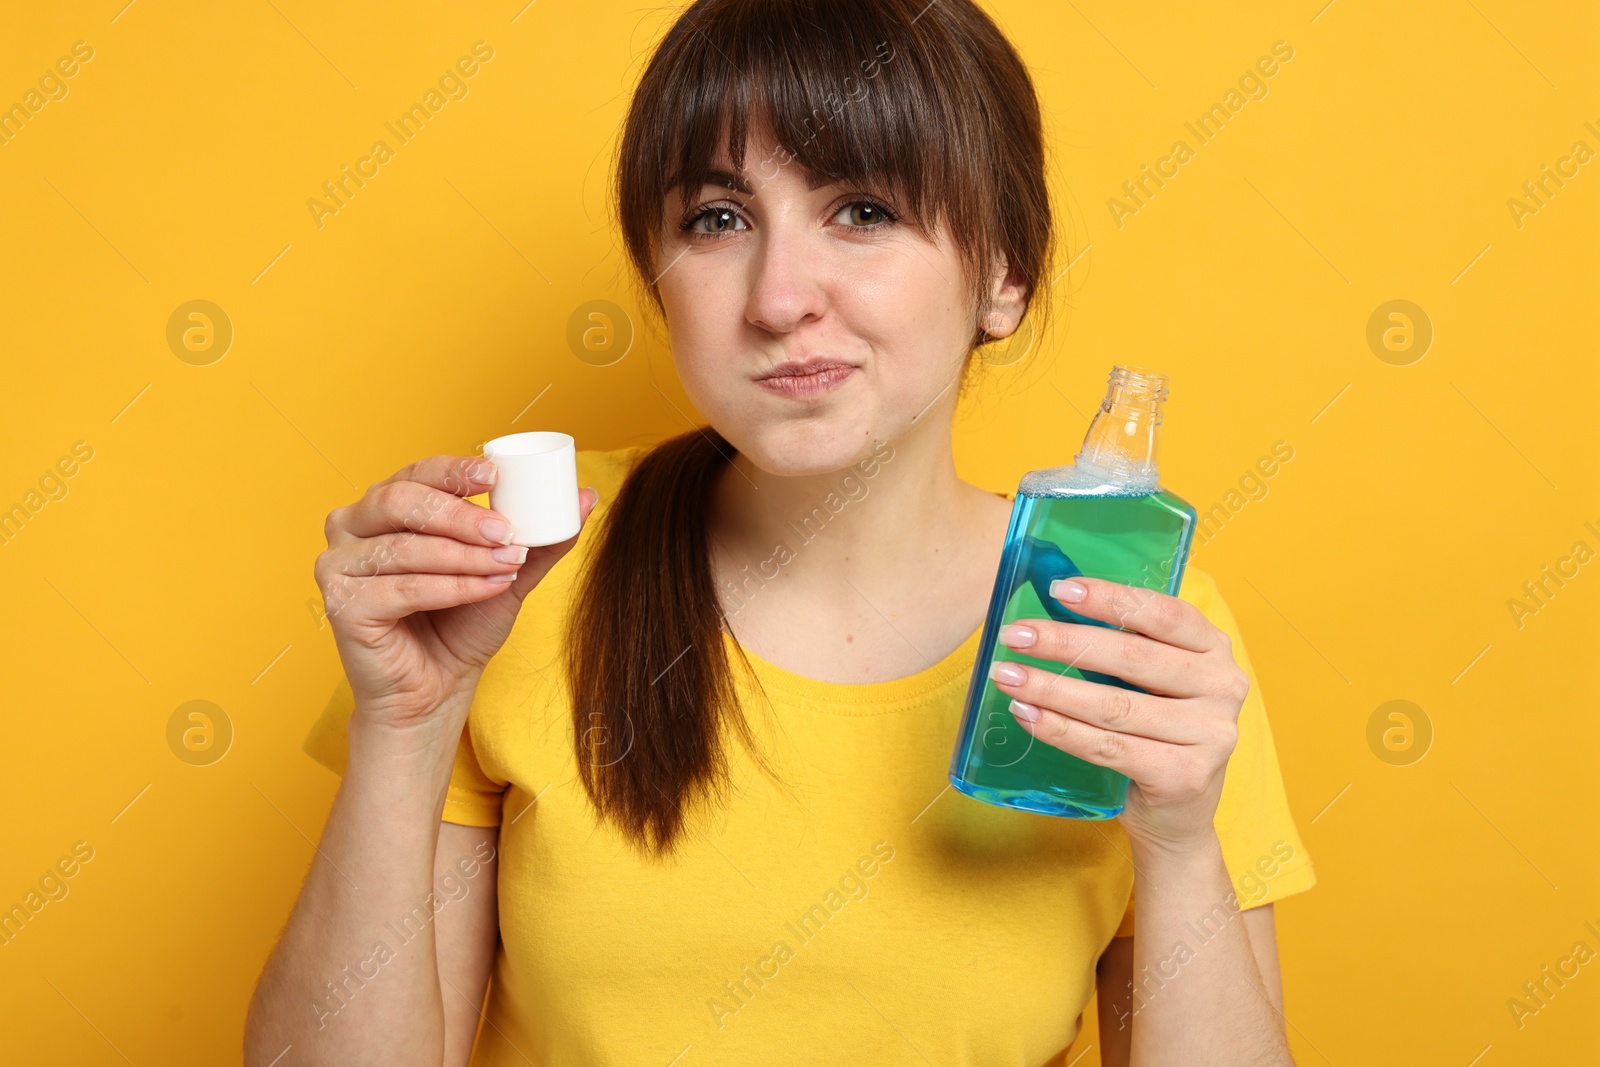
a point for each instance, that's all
(1109, 747)
(1121, 604)
(458, 475)
(1055, 639)
(388, 497)
(332, 524)
(1118, 706)
(328, 573)
(1233, 684)
(435, 500)
(334, 587)
(1228, 735)
(455, 513)
(407, 586)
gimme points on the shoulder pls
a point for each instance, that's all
(1199, 588)
(605, 469)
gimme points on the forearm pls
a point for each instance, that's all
(1197, 995)
(354, 978)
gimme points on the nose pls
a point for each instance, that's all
(787, 275)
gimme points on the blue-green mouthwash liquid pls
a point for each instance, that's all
(1069, 525)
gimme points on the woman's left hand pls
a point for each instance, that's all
(1173, 740)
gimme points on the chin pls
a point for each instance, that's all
(793, 448)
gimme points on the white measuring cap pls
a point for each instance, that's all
(537, 485)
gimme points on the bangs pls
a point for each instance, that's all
(926, 103)
(839, 101)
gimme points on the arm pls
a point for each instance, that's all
(1261, 924)
(422, 589)
(1198, 995)
(1114, 978)
(467, 935)
(356, 976)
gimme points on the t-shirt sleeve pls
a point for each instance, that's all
(473, 798)
(1260, 845)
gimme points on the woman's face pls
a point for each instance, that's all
(779, 272)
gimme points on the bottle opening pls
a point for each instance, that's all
(1138, 382)
(1121, 445)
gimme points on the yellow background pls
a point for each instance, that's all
(429, 313)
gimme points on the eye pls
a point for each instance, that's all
(719, 219)
(866, 214)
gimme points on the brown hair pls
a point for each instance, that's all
(926, 99)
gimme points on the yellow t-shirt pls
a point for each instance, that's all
(869, 914)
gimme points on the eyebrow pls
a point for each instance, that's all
(729, 180)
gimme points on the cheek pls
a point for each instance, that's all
(705, 321)
(909, 305)
(908, 279)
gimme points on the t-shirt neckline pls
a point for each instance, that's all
(894, 694)
(858, 698)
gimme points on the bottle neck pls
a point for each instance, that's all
(1122, 443)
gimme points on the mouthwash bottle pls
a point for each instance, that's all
(1105, 516)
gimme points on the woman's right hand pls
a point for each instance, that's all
(421, 588)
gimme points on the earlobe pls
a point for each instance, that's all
(1001, 325)
(1007, 301)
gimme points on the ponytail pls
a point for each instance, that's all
(646, 662)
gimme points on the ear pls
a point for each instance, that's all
(1008, 296)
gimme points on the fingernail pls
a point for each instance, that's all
(496, 530)
(1068, 590)
(504, 577)
(1023, 710)
(509, 554)
(1005, 672)
(483, 473)
(1018, 636)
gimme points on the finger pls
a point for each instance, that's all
(457, 475)
(394, 596)
(422, 554)
(393, 507)
(543, 557)
(1155, 614)
(1107, 707)
(1145, 662)
(1136, 757)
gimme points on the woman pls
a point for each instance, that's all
(698, 812)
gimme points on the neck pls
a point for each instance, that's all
(878, 524)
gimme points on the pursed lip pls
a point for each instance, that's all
(791, 368)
